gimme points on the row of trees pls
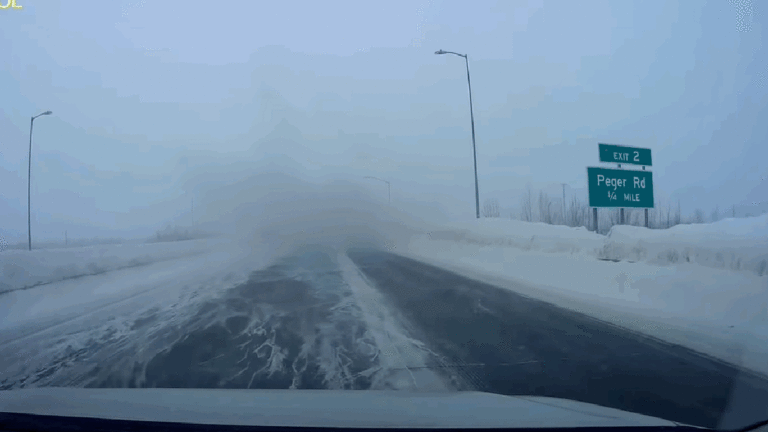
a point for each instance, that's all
(547, 210)
(577, 213)
(172, 233)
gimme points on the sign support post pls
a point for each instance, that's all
(594, 217)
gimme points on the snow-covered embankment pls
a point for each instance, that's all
(703, 286)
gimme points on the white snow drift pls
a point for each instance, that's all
(21, 269)
(703, 286)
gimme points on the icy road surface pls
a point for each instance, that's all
(321, 318)
(296, 323)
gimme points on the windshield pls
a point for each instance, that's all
(528, 198)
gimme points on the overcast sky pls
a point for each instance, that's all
(155, 101)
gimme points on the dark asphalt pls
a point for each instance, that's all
(290, 325)
(501, 342)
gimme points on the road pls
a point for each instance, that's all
(370, 319)
(502, 342)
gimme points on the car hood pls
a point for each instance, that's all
(319, 408)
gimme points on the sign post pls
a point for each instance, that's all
(594, 217)
(618, 188)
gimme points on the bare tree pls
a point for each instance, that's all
(613, 216)
(491, 208)
(654, 217)
(633, 216)
(607, 218)
(526, 205)
(578, 214)
(715, 216)
(698, 216)
(657, 215)
(545, 208)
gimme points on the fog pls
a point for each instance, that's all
(285, 211)
(263, 119)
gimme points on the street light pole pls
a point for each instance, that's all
(29, 180)
(389, 191)
(472, 119)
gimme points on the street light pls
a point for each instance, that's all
(472, 118)
(389, 193)
(29, 180)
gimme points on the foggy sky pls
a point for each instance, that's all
(158, 103)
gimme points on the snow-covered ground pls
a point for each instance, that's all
(136, 309)
(702, 286)
(167, 269)
(22, 269)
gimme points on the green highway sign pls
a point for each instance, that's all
(624, 155)
(620, 188)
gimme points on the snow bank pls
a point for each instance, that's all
(522, 235)
(734, 244)
(628, 277)
(21, 269)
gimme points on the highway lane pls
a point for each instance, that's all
(320, 319)
(498, 341)
(296, 324)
